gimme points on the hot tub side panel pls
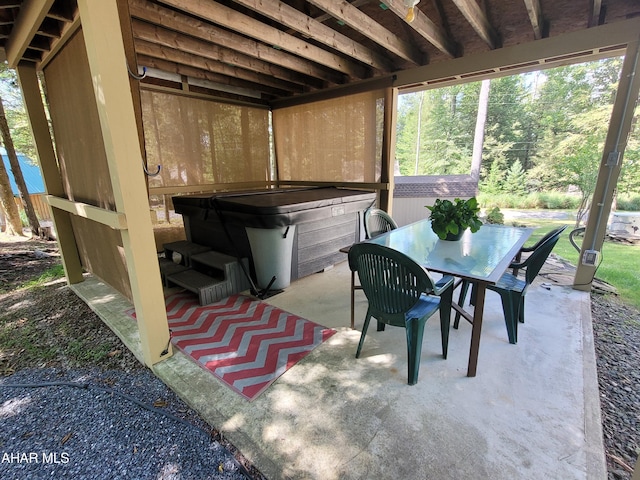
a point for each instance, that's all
(319, 235)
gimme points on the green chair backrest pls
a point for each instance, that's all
(535, 261)
(553, 233)
(392, 282)
(377, 222)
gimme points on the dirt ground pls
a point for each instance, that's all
(48, 326)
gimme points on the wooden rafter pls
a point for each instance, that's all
(424, 26)
(31, 15)
(325, 16)
(311, 28)
(365, 25)
(176, 56)
(201, 74)
(478, 20)
(594, 12)
(158, 15)
(190, 45)
(535, 16)
(229, 18)
(50, 28)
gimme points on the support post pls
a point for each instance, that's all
(108, 65)
(388, 148)
(611, 164)
(34, 107)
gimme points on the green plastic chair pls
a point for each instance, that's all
(401, 293)
(512, 290)
(377, 222)
(553, 233)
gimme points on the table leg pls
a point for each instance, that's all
(478, 309)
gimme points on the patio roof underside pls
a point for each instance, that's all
(264, 52)
(329, 71)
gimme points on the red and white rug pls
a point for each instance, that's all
(245, 343)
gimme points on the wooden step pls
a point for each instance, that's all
(168, 267)
(185, 248)
(208, 289)
(228, 265)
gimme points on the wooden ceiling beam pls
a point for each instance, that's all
(183, 58)
(535, 16)
(158, 15)
(40, 43)
(57, 42)
(193, 72)
(595, 8)
(425, 27)
(581, 45)
(178, 41)
(325, 16)
(32, 13)
(478, 20)
(309, 27)
(365, 25)
(229, 18)
(50, 28)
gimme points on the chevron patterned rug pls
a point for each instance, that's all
(245, 343)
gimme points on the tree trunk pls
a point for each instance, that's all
(417, 163)
(478, 138)
(14, 225)
(17, 172)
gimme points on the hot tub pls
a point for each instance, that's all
(289, 233)
(625, 223)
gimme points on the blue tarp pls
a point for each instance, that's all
(30, 172)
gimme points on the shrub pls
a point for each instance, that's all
(629, 202)
(537, 200)
(495, 216)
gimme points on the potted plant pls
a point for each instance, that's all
(450, 219)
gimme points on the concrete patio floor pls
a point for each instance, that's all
(532, 411)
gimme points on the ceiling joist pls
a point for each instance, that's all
(232, 19)
(311, 28)
(535, 15)
(365, 25)
(424, 27)
(183, 43)
(276, 50)
(478, 20)
(201, 74)
(158, 15)
(179, 57)
(32, 13)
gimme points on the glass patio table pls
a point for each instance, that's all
(480, 257)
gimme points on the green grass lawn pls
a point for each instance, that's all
(619, 265)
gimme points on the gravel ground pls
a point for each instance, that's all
(93, 424)
(616, 329)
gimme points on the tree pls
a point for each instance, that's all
(16, 114)
(17, 172)
(14, 224)
(516, 180)
(435, 130)
(574, 110)
(493, 181)
(481, 120)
